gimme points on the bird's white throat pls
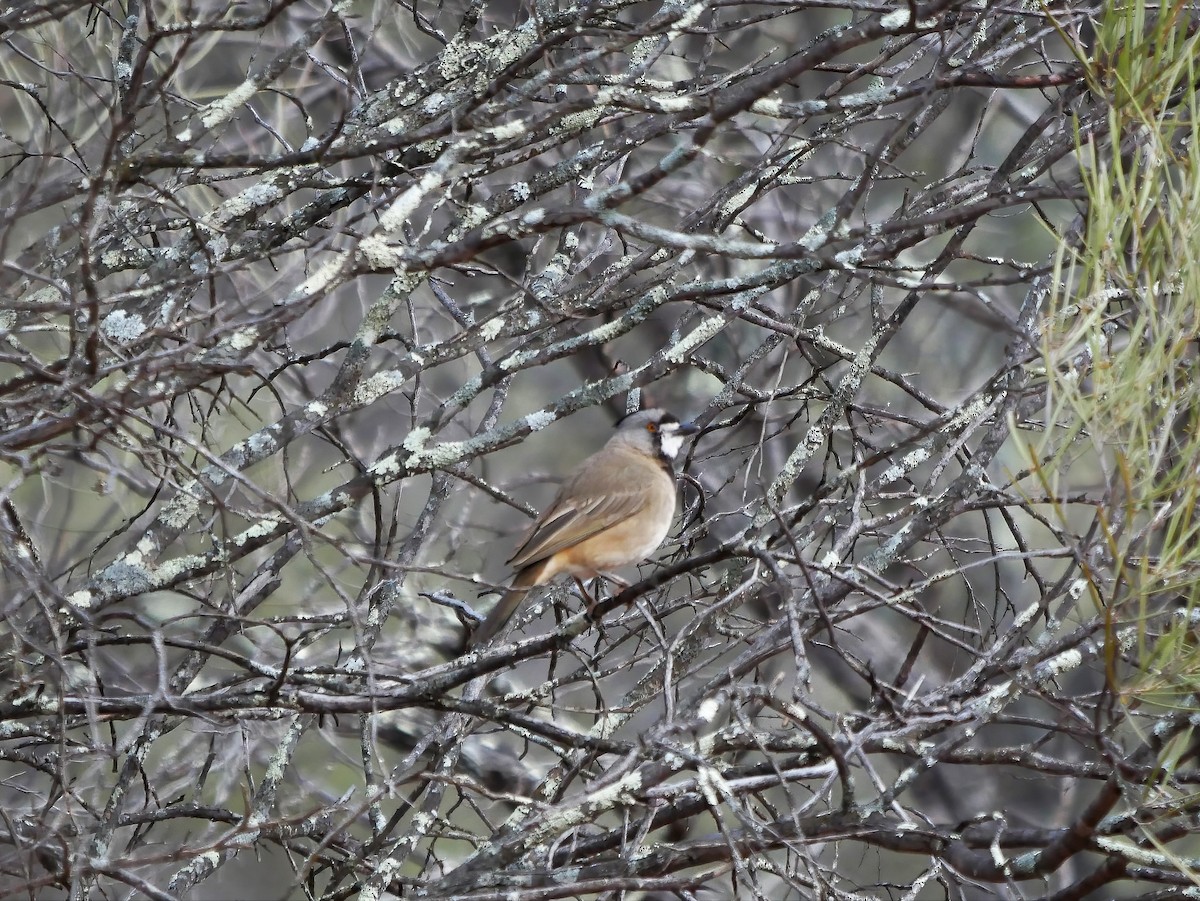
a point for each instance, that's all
(670, 443)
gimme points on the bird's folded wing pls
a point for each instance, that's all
(566, 522)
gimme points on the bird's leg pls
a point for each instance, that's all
(560, 596)
(616, 580)
(592, 600)
(591, 603)
(607, 577)
(587, 598)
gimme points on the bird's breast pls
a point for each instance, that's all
(628, 542)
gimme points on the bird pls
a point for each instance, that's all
(613, 510)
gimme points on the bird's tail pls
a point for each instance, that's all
(524, 580)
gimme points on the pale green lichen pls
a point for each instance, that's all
(767, 106)
(379, 254)
(690, 16)
(172, 570)
(1056, 666)
(818, 233)
(414, 442)
(253, 198)
(180, 510)
(491, 329)
(701, 334)
(82, 599)
(459, 56)
(581, 120)
(673, 104)
(223, 109)
(877, 92)
(122, 327)
(381, 383)
(505, 132)
(261, 444)
(322, 278)
(243, 339)
(734, 203)
(538, 420)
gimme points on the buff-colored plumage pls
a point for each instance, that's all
(613, 510)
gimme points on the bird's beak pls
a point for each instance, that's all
(687, 428)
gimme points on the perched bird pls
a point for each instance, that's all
(613, 510)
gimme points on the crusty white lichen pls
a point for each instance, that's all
(491, 329)
(221, 110)
(376, 386)
(122, 327)
(243, 339)
(539, 420)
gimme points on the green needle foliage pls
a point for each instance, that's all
(1120, 347)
